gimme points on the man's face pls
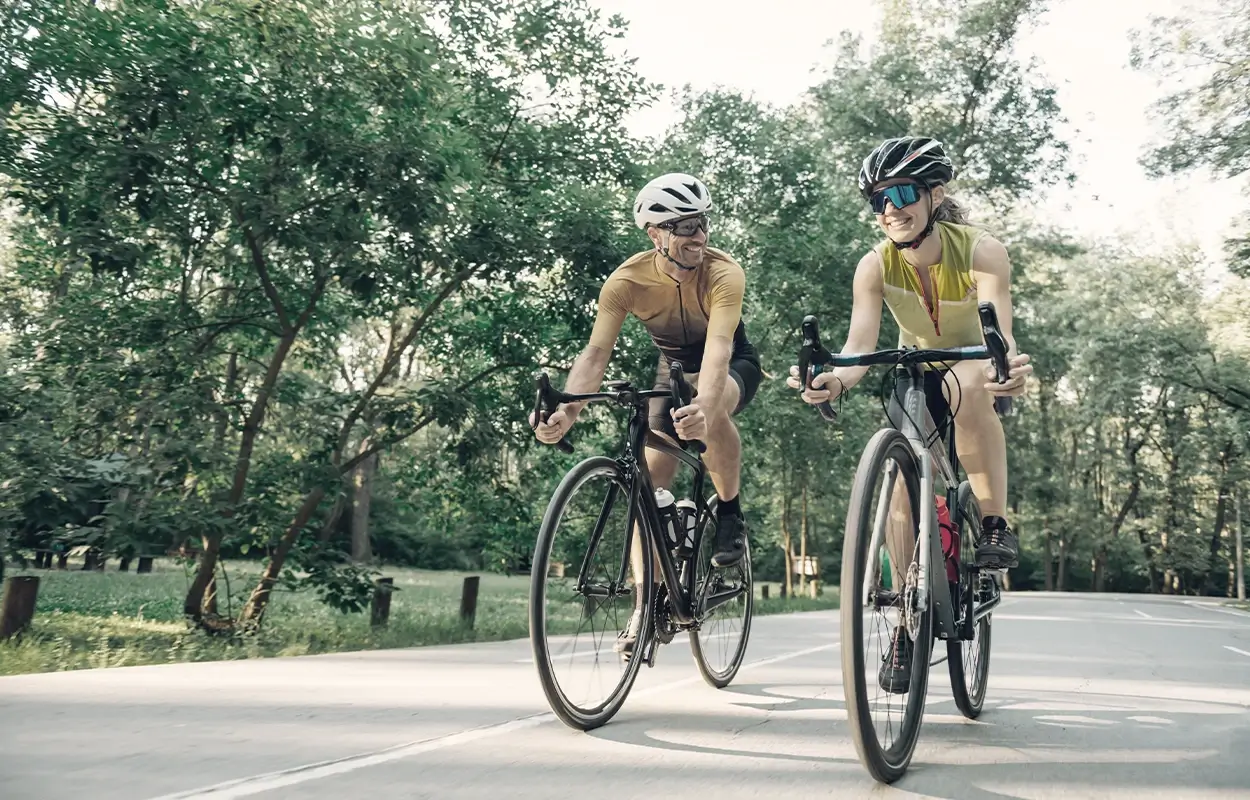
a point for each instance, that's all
(685, 239)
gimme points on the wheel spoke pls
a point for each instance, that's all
(724, 602)
(575, 620)
(879, 590)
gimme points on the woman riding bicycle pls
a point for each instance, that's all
(931, 272)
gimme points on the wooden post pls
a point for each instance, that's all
(468, 600)
(764, 592)
(145, 565)
(123, 565)
(62, 560)
(18, 608)
(381, 609)
(1241, 561)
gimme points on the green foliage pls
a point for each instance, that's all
(1206, 116)
(247, 246)
(90, 620)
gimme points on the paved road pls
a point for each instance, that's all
(1089, 696)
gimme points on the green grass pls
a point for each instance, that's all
(85, 620)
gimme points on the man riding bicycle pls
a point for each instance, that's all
(688, 296)
(932, 285)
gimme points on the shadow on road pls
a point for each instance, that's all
(1099, 742)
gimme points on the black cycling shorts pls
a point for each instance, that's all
(744, 370)
(935, 399)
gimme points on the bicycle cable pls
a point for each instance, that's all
(889, 390)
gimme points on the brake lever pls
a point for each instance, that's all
(812, 357)
(996, 343)
(682, 395)
(546, 401)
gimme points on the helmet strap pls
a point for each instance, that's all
(924, 234)
(664, 252)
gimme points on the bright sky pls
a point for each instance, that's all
(770, 51)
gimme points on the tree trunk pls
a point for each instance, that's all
(1221, 510)
(194, 604)
(332, 520)
(256, 604)
(1050, 558)
(785, 538)
(232, 377)
(1100, 568)
(803, 545)
(1240, 552)
(362, 497)
(1063, 563)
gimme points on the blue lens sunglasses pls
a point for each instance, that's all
(901, 195)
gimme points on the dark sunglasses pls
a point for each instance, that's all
(901, 195)
(686, 227)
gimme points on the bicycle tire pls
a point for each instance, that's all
(567, 711)
(969, 700)
(885, 765)
(719, 679)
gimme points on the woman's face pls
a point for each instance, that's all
(905, 221)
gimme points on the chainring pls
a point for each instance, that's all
(664, 624)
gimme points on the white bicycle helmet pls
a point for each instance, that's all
(670, 197)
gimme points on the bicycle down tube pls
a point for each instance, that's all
(642, 490)
(813, 356)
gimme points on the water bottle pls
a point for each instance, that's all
(668, 515)
(687, 516)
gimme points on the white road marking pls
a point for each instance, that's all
(1142, 614)
(1210, 607)
(1236, 650)
(246, 787)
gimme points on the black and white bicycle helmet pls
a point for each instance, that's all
(917, 157)
(670, 197)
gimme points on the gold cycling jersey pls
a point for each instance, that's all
(951, 320)
(678, 316)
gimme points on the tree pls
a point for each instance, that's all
(293, 171)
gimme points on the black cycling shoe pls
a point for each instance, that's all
(997, 546)
(895, 673)
(731, 540)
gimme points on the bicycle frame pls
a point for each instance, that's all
(643, 496)
(640, 485)
(930, 459)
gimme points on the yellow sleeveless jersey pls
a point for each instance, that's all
(679, 316)
(951, 320)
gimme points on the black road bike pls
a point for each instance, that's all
(602, 540)
(937, 592)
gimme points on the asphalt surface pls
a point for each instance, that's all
(1107, 696)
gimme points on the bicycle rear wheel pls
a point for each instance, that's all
(581, 597)
(969, 661)
(873, 610)
(724, 601)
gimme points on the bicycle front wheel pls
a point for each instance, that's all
(969, 661)
(582, 595)
(723, 600)
(884, 709)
